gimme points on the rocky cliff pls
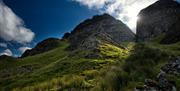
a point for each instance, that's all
(157, 19)
(101, 28)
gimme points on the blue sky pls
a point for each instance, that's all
(49, 18)
(24, 23)
(46, 18)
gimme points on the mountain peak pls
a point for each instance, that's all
(103, 16)
(160, 5)
(95, 19)
(91, 32)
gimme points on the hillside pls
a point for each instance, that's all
(58, 69)
(45, 45)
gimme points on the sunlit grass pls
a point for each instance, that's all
(117, 68)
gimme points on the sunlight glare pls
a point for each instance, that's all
(130, 12)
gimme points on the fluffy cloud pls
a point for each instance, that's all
(93, 3)
(3, 45)
(7, 52)
(23, 49)
(12, 27)
(125, 10)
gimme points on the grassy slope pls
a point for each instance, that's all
(57, 69)
(116, 69)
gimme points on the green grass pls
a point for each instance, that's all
(117, 69)
(111, 51)
(23, 71)
(43, 70)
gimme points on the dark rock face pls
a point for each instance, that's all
(157, 19)
(173, 35)
(90, 33)
(43, 46)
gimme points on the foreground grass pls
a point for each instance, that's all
(117, 69)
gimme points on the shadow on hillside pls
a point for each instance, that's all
(143, 63)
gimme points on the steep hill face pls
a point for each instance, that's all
(157, 19)
(44, 46)
(101, 28)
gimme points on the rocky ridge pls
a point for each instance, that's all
(101, 28)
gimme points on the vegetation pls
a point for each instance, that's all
(117, 68)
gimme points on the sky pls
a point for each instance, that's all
(24, 23)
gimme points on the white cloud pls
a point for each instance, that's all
(3, 45)
(92, 3)
(23, 49)
(125, 10)
(12, 27)
(7, 52)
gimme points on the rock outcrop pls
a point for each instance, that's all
(101, 28)
(157, 19)
(44, 46)
(162, 83)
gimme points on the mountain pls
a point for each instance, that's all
(101, 28)
(157, 19)
(89, 35)
(44, 46)
(100, 54)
